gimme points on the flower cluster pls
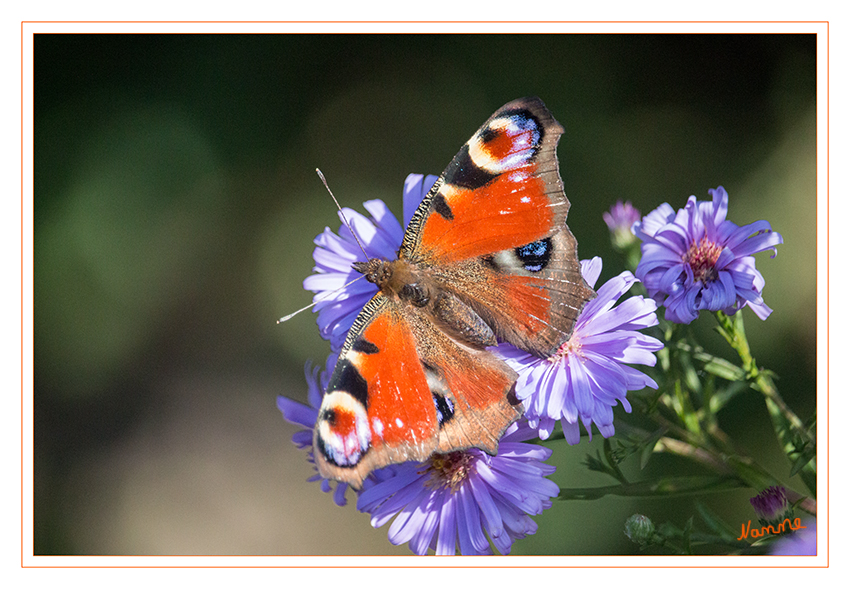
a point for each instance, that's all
(466, 501)
(695, 259)
(588, 374)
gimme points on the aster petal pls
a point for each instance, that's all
(376, 242)
(733, 236)
(641, 350)
(580, 387)
(516, 522)
(470, 535)
(606, 296)
(488, 509)
(758, 243)
(303, 439)
(420, 543)
(500, 483)
(726, 257)
(447, 535)
(416, 187)
(524, 451)
(681, 306)
(385, 221)
(409, 520)
(323, 282)
(654, 221)
(376, 495)
(569, 410)
(617, 318)
(720, 202)
(330, 261)
(518, 431)
(657, 254)
(391, 506)
(674, 277)
(555, 385)
(538, 375)
(590, 270)
(545, 426)
(297, 413)
(718, 294)
(344, 248)
(761, 310)
(572, 431)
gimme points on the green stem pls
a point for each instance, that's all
(663, 487)
(789, 428)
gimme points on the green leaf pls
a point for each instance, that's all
(722, 397)
(804, 458)
(726, 532)
(686, 536)
(720, 367)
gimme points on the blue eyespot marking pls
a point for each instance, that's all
(534, 256)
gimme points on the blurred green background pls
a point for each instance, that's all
(175, 207)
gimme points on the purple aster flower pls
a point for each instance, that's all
(771, 506)
(802, 542)
(695, 259)
(455, 502)
(620, 219)
(586, 377)
(381, 235)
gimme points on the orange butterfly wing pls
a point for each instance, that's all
(487, 257)
(393, 395)
(493, 230)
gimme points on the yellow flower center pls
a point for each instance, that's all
(448, 470)
(571, 346)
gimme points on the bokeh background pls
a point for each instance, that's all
(175, 207)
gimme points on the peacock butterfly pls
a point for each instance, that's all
(486, 258)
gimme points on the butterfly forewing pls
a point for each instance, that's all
(402, 389)
(493, 230)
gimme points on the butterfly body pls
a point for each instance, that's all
(487, 257)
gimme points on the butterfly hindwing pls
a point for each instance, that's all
(395, 396)
(493, 230)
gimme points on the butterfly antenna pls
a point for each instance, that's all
(326, 296)
(341, 214)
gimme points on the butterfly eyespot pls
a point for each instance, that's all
(329, 416)
(343, 429)
(534, 256)
(445, 408)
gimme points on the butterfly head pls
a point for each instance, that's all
(397, 279)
